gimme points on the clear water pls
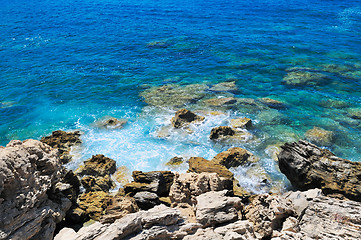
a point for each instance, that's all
(65, 64)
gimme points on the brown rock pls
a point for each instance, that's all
(94, 184)
(122, 175)
(94, 203)
(319, 136)
(98, 165)
(176, 161)
(234, 157)
(63, 141)
(241, 123)
(185, 117)
(272, 103)
(199, 165)
(221, 102)
(111, 123)
(118, 208)
(221, 132)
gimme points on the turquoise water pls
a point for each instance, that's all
(65, 64)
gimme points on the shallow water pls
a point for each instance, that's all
(66, 64)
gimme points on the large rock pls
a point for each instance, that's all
(97, 165)
(307, 167)
(214, 208)
(30, 203)
(234, 157)
(241, 123)
(185, 117)
(63, 141)
(221, 132)
(146, 200)
(94, 184)
(225, 87)
(187, 186)
(199, 165)
(118, 208)
(94, 203)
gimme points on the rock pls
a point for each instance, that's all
(319, 136)
(97, 165)
(273, 150)
(204, 234)
(66, 233)
(241, 123)
(221, 102)
(225, 87)
(94, 203)
(30, 204)
(267, 213)
(354, 113)
(272, 103)
(307, 167)
(304, 77)
(73, 190)
(94, 184)
(214, 208)
(234, 157)
(187, 186)
(146, 200)
(199, 165)
(240, 192)
(111, 123)
(130, 189)
(175, 161)
(118, 208)
(158, 44)
(333, 103)
(122, 175)
(221, 132)
(185, 117)
(76, 215)
(242, 229)
(63, 141)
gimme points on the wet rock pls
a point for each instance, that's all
(97, 165)
(185, 117)
(300, 77)
(227, 102)
(187, 186)
(221, 132)
(307, 167)
(199, 165)
(146, 200)
(118, 208)
(225, 87)
(175, 161)
(234, 157)
(63, 141)
(94, 184)
(272, 103)
(319, 136)
(333, 103)
(94, 203)
(273, 150)
(240, 192)
(271, 117)
(354, 113)
(214, 208)
(30, 207)
(111, 123)
(241, 123)
(122, 175)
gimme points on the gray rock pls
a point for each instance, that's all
(146, 200)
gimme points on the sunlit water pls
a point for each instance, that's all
(66, 64)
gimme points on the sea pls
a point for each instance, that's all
(65, 65)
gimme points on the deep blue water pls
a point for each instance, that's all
(65, 64)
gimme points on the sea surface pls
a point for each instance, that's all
(67, 64)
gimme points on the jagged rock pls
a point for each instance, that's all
(307, 166)
(204, 234)
(146, 200)
(225, 87)
(111, 123)
(30, 203)
(184, 117)
(199, 165)
(76, 216)
(267, 213)
(319, 136)
(94, 203)
(215, 208)
(94, 184)
(299, 77)
(63, 141)
(187, 186)
(158, 182)
(239, 191)
(242, 229)
(97, 165)
(73, 189)
(221, 132)
(241, 123)
(234, 157)
(118, 208)
(175, 161)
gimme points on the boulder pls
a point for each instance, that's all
(234, 157)
(94, 184)
(199, 165)
(301, 77)
(110, 123)
(97, 165)
(319, 136)
(118, 208)
(30, 202)
(241, 123)
(63, 141)
(221, 132)
(184, 117)
(146, 200)
(94, 203)
(175, 161)
(272, 103)
(187, 186)
(214, 208)
(308, 166)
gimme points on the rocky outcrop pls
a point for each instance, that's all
(225, 87)
(63, 141)
(301, 77)
(199, 165)
(221, 132)
(307, 167)
(119, 207)
(94, 203)
(184, 117)
(31, 199)
(97, 165)
(234, 157)
(94, 184)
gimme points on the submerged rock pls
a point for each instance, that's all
(224, 102)
(111, 123)
(241, 123)
(185, 117)
(225, 87)
(307, 167)
(63, 141)
(354, 113)
(272, 103)
(97, 165)
(234, 157)
(30, 202)
(319, 136)
(299, 77)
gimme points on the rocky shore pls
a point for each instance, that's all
(40, 199)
